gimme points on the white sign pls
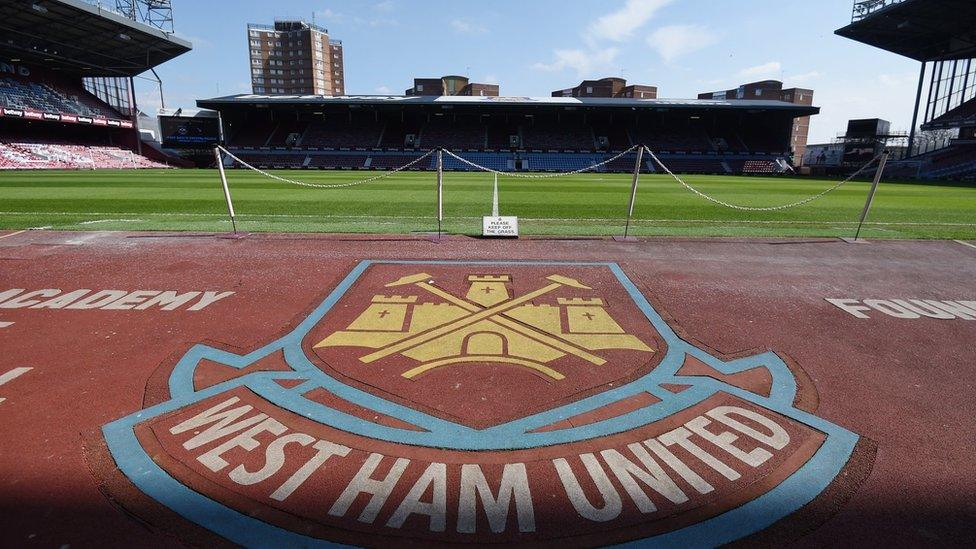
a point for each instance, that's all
(909, 309)
(109, 300)
(500, 226)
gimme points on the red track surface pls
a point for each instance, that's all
(907, 385)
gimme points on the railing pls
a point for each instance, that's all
(298, 26)
(866, 8)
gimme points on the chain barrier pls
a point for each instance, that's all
(325, 186)
(761, 209)
(540, 176)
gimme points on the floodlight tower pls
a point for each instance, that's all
(155, 13)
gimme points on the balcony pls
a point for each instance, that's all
(867, 8)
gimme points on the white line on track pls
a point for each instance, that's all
(12, 234)
(12, 375)
(5, 325)
(973, 246)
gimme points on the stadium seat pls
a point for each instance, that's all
(52, 98)
(35, 155)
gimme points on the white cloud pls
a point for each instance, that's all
(386, 5)
(805, 77)
(328, 14)
(463, 26)
(490, 79)
(585, 63)
(773, 68)
(377, 22)
(674, 41)
(383, 90)
(616, 26)
(620, 25)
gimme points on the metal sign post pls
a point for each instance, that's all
(874, 189)
(223, 180)
(633, 190)
(494, 198)
(440, 191)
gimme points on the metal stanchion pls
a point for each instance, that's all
(223, 180)
(633, 193)
(440, 191)
(874, 189)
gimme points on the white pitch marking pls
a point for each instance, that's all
(12, 375)
(966, 244)
(12, 234)
(5, 325)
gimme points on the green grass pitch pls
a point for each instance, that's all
(583, 205)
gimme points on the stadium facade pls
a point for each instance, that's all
(66, 93)
(773, 90)
(609, 87)
(451, 85)
(941, 35)
(507, 133)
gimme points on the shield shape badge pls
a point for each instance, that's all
(484, 345)
(479, 401)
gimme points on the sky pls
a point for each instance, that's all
(532, 47)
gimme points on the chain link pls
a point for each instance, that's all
(324, 186)
(541, 176)
(758, 209)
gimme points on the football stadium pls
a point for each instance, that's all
(300, 315)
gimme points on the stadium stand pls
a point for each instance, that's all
(53, 98)
(65, 91)
(754, 166)
(557, 137)
(335, 134)
(41, 156)
(268, 161)
(288, 133)
(696, 165)
(336, 161)
(560, 162)
(671, 141)
(392, 161)
(499, 162)
(956, 162)
(512, 134)
(253, 134)
(500, 136)
(458, 136)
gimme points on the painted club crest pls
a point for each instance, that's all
(480, 402)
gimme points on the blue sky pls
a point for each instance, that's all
(531, 47)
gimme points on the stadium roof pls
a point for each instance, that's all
(924, 30)
(538, 102)
(72, 35)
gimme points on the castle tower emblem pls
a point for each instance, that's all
(436, 329)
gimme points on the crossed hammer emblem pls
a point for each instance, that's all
(477, 313)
